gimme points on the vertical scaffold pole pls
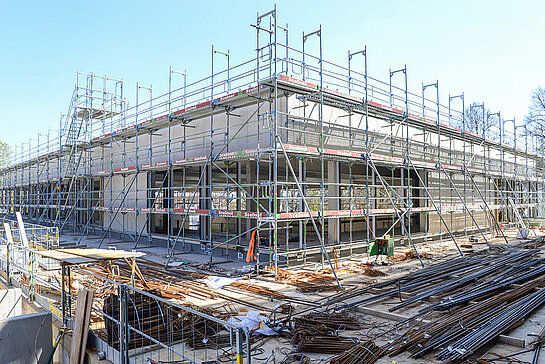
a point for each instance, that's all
(407, 151)
(170, 118)
(275, 151)
(169, 181)
(150, 178)
(450, 98)
(438, 124)
(366, 103)
(321, 120)
(487, 197)
(258, 109)
(209, 166)
(272, 115)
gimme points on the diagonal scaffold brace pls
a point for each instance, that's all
(322, 244)
(439, 212)
(385, 185)
(485, 203)
(441, 168)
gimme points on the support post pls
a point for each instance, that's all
(123, 324)
(333, 197)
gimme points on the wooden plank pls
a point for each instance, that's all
(82, 256)
(81, 326)
(64, 257)
(75, 348)
(140, 275)
(102, 254)
(88, 311)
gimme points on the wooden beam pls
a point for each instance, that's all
(81, 326)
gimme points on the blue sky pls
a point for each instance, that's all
(491, 50)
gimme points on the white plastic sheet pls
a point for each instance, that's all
(253, 322)
(216, 282)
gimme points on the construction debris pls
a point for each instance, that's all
(535, 243)
(319, 333)
(369, 271)
(306, 281)
(463, 304)
(451, 310)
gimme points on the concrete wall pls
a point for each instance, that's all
(26, 339)
(11, 303)
(456, 220)
(190, 141)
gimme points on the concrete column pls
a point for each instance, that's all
(333, 201)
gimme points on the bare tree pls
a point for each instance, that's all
(5, 153)
(477, 119)
(535, 119)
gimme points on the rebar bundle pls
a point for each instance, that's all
(326, 344)
(445, 278)
(363, 353)
(331, 322)
(484, 300)
(468, 344)
(319, 332)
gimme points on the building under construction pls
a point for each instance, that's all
(285, 158)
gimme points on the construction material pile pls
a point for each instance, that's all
(369, 271)
(452, 309)
(535, 243)
(148, 280)
(306, 281)
(467, 302)
(364, 353)
(319, 333)
(180, 285)
(462, 333)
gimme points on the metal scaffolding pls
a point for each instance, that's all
(284, 159)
